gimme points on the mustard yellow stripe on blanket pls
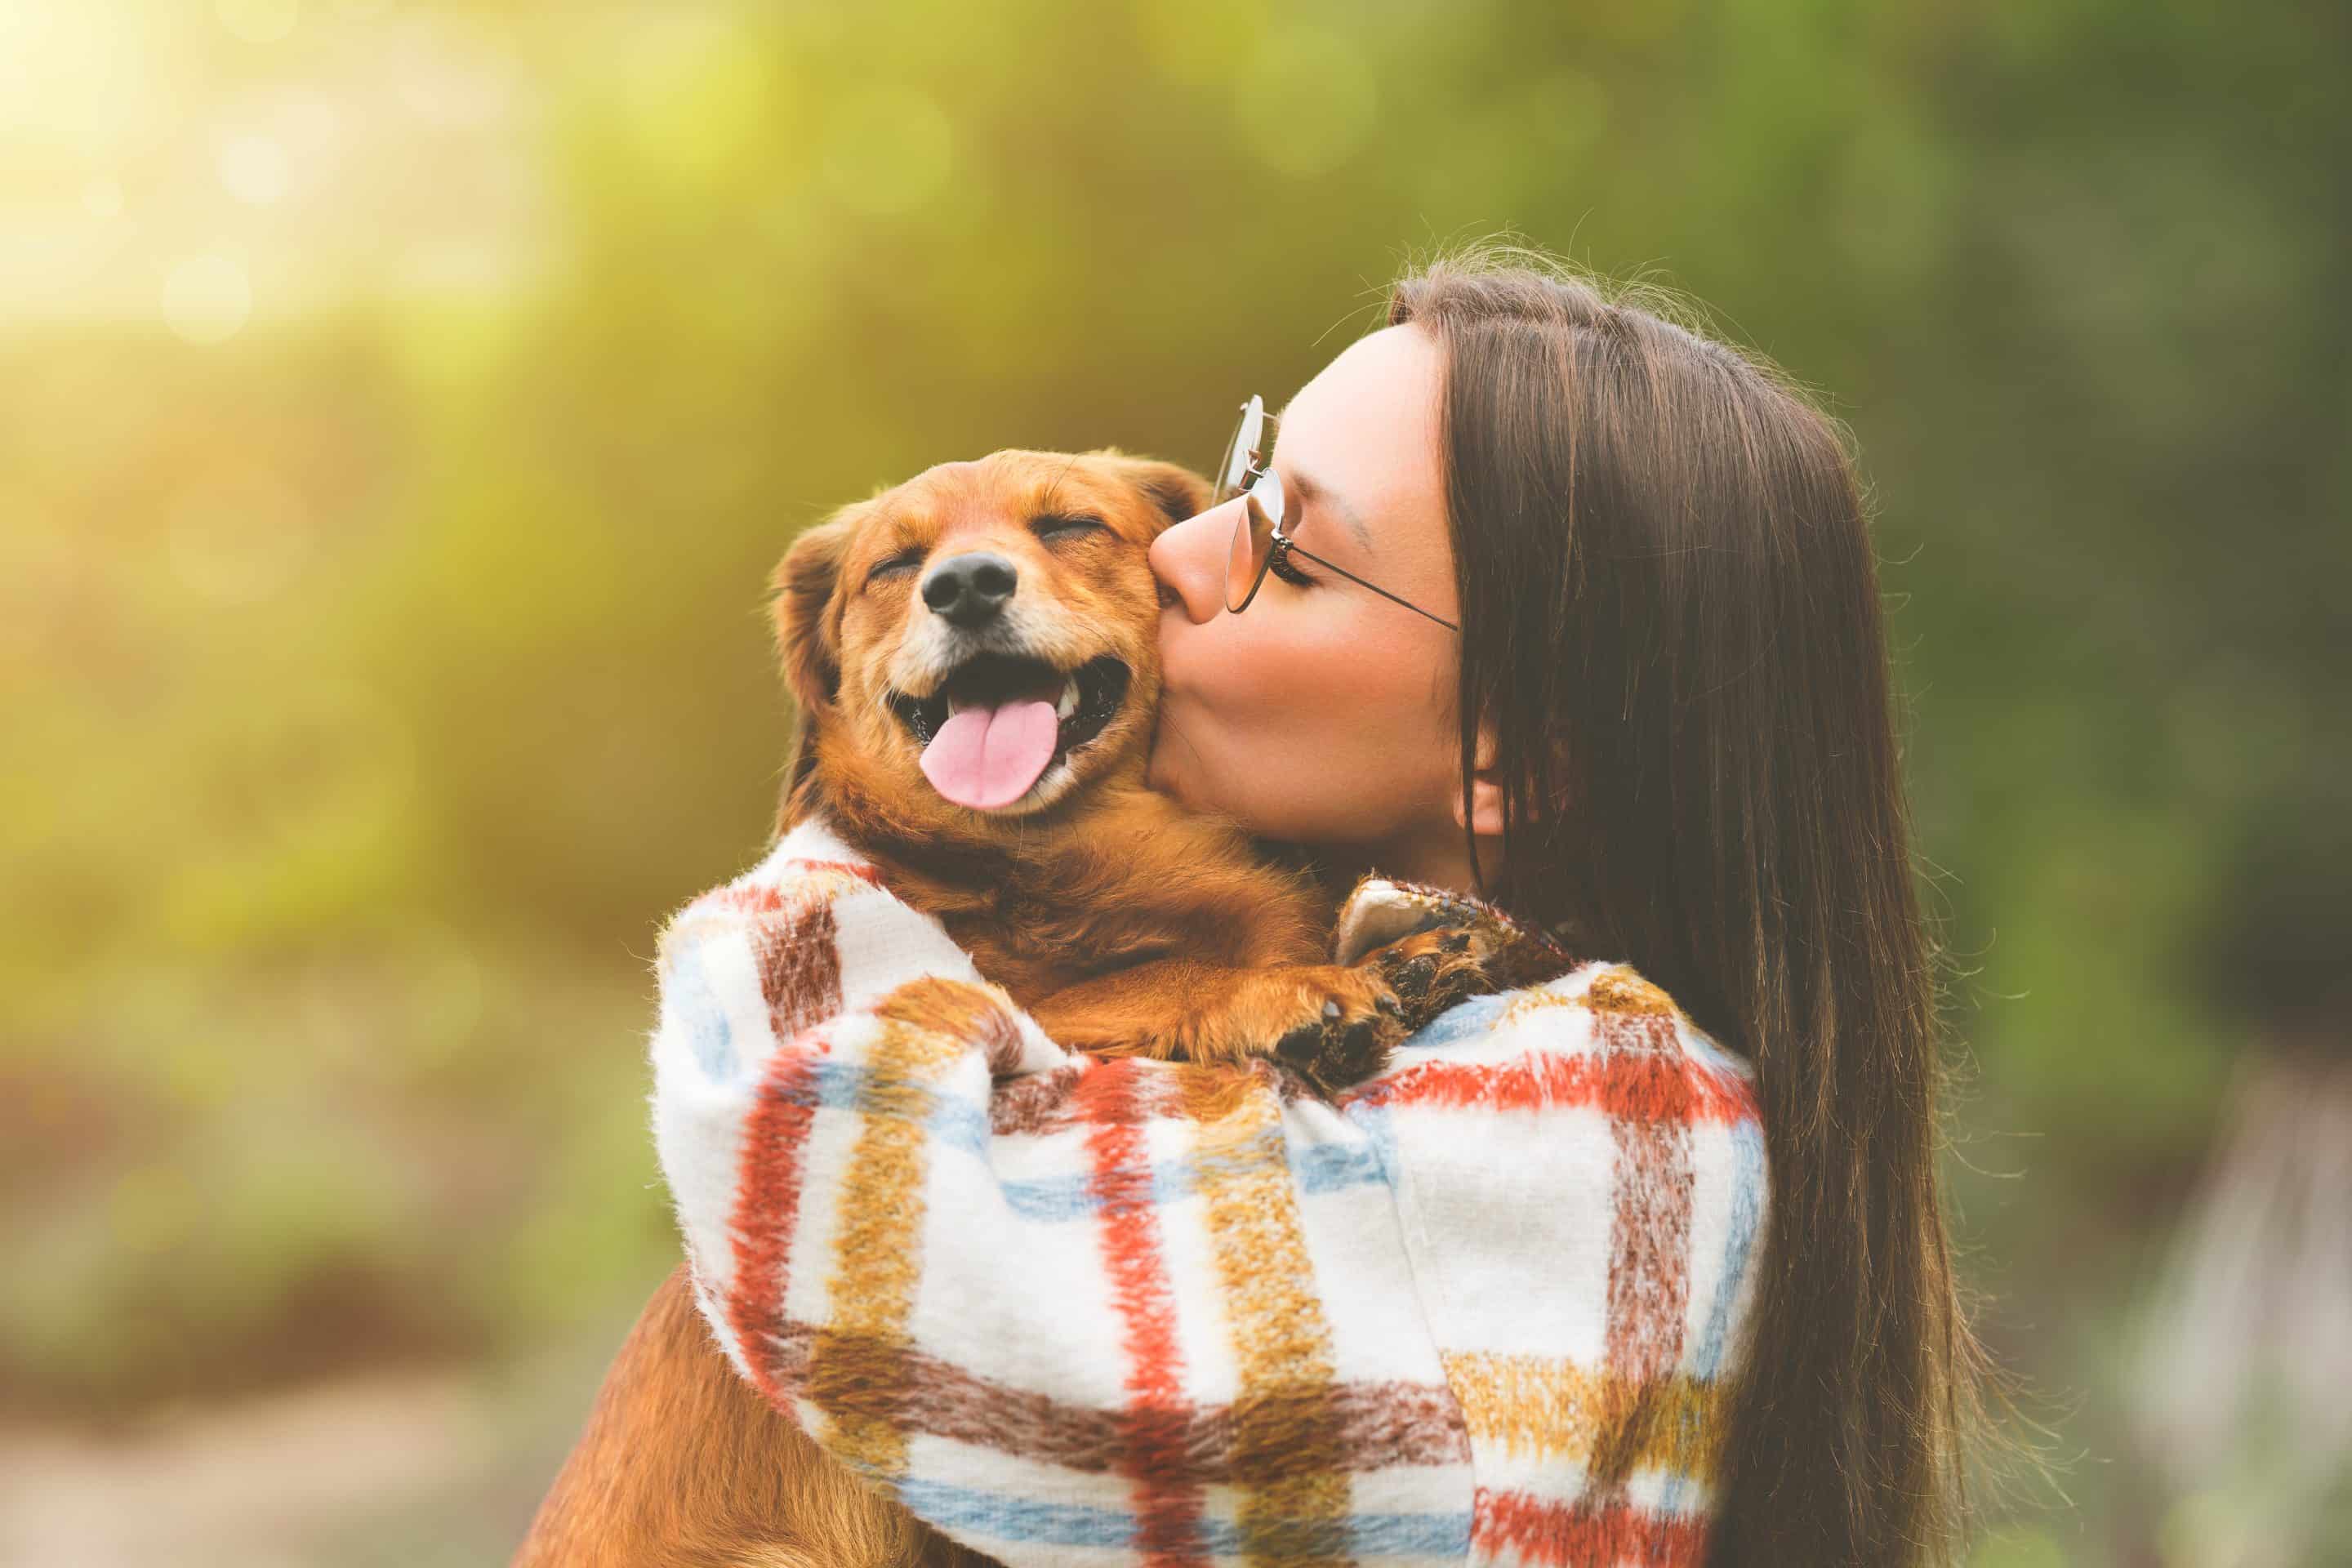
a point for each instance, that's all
(925, 1028)
(1285, 1403)
(1549, 1408)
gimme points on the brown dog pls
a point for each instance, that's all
(974, 657)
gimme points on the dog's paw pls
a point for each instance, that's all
(1432, 970)
(1346, 1042)
(1345, 1023)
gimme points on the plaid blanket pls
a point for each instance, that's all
(1483, 1308)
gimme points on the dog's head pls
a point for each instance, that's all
(979, 642)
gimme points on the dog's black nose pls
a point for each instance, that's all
(969, 589)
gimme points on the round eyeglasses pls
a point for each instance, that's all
(1259, 542)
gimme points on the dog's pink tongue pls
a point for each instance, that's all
(988, 757)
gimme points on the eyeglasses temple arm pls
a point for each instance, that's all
(1375, 588)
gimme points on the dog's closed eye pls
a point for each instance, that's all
(1066, 525)
(896, 565)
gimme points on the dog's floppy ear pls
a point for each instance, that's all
(1177, 492)
(803, 584)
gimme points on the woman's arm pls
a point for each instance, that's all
(1070, 1310)
(1054, 1305)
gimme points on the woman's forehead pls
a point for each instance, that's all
(1365, 429)
(1380, 392)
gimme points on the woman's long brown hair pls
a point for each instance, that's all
(1672, 630)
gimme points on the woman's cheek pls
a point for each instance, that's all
(1200, 670)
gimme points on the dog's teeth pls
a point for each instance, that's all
(1070, 702)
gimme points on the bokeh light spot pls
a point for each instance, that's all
(207, 297)
(253, 168)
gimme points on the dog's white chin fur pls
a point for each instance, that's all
(1057, 781)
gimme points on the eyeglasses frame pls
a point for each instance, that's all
(1259, 465)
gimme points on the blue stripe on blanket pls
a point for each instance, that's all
(1463, 1021)
(694, 1001)
(1318, 1168)
(995, 1516)
(1747, 1212)
(954, 1122)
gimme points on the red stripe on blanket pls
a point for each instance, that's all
(798, 960)
(767, 1208)
(1155, 1422)
(1554, 1534)
(1638, 1087)
(765, 898)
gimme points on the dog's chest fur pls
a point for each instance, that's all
(1129, 879)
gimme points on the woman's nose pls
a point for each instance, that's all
(1189, 559)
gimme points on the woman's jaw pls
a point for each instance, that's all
(1425, 845)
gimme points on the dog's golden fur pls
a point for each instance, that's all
(1126, 924)
(1122, 921)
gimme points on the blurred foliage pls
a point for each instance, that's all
(401, 404)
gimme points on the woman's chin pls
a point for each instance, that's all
(1172, 769)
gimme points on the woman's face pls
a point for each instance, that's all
(1319, 714)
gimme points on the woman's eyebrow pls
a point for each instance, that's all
(1311, 491)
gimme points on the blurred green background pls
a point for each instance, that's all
(401, 405)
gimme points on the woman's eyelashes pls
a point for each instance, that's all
(1281, 567)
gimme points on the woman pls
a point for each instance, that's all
(1574, 610)
(1680, 750)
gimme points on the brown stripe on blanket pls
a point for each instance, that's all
(1372, 1425)
(1035, 1102)
(1648, 1247)
(799, 958)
